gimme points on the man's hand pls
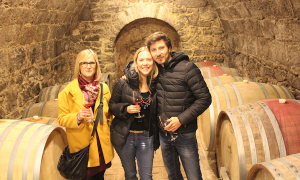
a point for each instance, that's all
(173, 125)
(124, 77)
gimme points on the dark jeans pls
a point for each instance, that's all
(184, 146)
(140, 147)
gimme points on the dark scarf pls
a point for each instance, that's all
(90, 90)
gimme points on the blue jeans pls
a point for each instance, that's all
(139, 146)
(185, 146)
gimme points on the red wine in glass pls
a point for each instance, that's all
(137, 99)
(88, 104)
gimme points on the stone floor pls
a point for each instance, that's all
(207, 163)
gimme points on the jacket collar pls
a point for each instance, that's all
(77, 94)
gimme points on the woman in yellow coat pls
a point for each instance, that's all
(78, 119)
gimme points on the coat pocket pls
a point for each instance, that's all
(118, 140)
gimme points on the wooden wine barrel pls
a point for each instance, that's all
(205, 63)
(277, 169)
(43, 120)
(231, 95)
(252, 133)
(30, 150)
(212, 71)
(223, 79)
(45, 109)
(49, 93)
(63, 86)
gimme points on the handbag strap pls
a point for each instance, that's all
(99, 113)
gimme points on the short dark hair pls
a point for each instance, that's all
(156, 37)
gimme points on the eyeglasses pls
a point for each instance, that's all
(85, 64)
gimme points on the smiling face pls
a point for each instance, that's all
(160, 52)
(144, 63)
(88, 70)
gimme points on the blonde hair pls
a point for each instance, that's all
(82, 56)
(154, 71)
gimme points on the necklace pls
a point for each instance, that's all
(146, 101)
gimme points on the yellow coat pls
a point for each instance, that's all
(69, 104)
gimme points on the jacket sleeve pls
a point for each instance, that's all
(66, 118)
(200, 91)
(107, 96)
(116, 106)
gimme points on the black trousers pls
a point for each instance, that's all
(99, 176)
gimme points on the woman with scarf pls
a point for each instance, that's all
(132, 137)
(79, 120)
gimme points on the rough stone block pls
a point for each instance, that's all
(192, 3)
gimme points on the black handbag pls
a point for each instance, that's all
(74, 165)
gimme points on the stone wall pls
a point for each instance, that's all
(34, 49)
(39, 39)
(117, 29)
(263, 39)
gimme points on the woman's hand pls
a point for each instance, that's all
(133, 109)
(84, 114)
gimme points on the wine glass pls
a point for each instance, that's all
(163, 121)
(137, 99)
(88, 104)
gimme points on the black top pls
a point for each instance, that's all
(142, 124)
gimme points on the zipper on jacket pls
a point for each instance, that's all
(164, 92)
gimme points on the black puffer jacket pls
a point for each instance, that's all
(182, 91)
(120, 99)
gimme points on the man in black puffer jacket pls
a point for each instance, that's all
(182, 95)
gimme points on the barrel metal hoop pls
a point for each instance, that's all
(11, 163)
(6, 131)
(277, 94)
(240, 143)
(54, 90)
(219, 81)
(262, 132)
(208, 70)
(28, 152)
(237, 73)
(290, 93)
(51, 121)
(39, 153)
(250, 136)
(46, 97)
(276, 127)
(286, 95)
(224, 72)
(237, 93)
(230, 71)
(275, 171)
(212, 118)
(28, 110)
(264, 90)
(235, 78)
(209, 82)
(201, 71)
(41, 108)
(226, 97)
(293, 169)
